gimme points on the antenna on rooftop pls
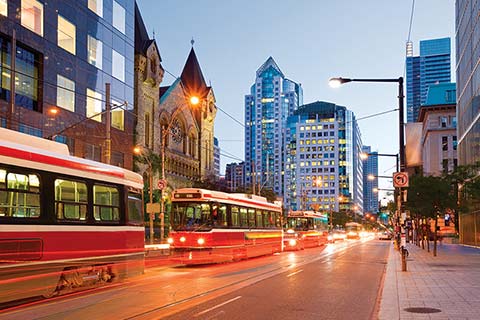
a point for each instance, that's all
(192, 41)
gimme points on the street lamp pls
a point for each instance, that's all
(336, 82)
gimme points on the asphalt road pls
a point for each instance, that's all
(338, 281)
(342, 286)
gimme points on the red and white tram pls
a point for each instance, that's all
(211, 226)
(65, 223)
(305, 229)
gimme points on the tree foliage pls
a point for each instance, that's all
(428, 195)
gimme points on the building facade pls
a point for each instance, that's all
(66, 53)
(272, 99)
(432, 66)
(439, 130)
(370, 180)
(235, 176)
(467, 26)
(187, 132)
(323, 169)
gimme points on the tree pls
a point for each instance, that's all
(427, 197)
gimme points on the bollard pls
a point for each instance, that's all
(404, 258)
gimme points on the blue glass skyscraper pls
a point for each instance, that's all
(271, 100)
(431, 67)
(370, 180)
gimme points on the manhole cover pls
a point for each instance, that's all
(422, 310)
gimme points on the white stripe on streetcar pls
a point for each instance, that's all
(294, 273)
(217, 306)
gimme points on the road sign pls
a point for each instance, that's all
(400, 179)
(162, 184)
(153, 208)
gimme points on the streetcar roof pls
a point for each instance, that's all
(28, 151)
(231, 198)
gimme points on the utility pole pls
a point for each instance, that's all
(108, 125)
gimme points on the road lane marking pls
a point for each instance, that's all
(217, 306)
(294, 273)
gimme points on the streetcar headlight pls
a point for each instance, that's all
(201, 241)
(292, 242)
(170, 240)
(182, 239)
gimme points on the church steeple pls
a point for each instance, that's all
(192, 76)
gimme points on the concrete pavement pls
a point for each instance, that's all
(443, 287)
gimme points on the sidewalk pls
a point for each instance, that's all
(443, 287)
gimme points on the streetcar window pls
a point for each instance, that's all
(219, 215)
(106, 203)
(267, 219)
(135, 205)
(251, 218)
(235, 217)
(278, 220)
(259, 218)
(19, 195)
(243, 217)
(70, 200)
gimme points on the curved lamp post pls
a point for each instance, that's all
(336, 82)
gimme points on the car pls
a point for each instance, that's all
(336, 235)
(386, 235)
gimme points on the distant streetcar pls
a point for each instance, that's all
(305, 229)
(212, 226)
(66, 223)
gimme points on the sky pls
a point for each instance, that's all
(311, 41)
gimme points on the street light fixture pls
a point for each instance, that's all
(336, 82)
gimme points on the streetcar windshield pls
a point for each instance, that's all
(191, 216)
(300, 224)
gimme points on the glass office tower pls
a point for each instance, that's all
(432, 66)
(370, 180)
(323, 169)
(272, 99)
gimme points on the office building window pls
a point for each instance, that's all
(118, 17)
(95, 48)
(66, 34)
(444, 143)
(27, 75)
(443, 122)
(65, 93)
(94, 105)
(118, 119)
(96, 6)
(118, 65)
(445, 165)
(32, 16)
(3, 7)
(454, 142)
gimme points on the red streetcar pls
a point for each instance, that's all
(212, 227)
(305, 229)
(66, 223)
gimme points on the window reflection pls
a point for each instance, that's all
(118, 65)
(96, 6)
(95, 48)
(66, 34)
(118, 17)
(32, 16)
(65, 93)
(94, 105)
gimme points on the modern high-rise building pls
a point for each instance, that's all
(323, 169)
(467, 26)
(216, 158)
(66, 53)
(370, 180)
(432, 66)
(235, 176)
(272, 99)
